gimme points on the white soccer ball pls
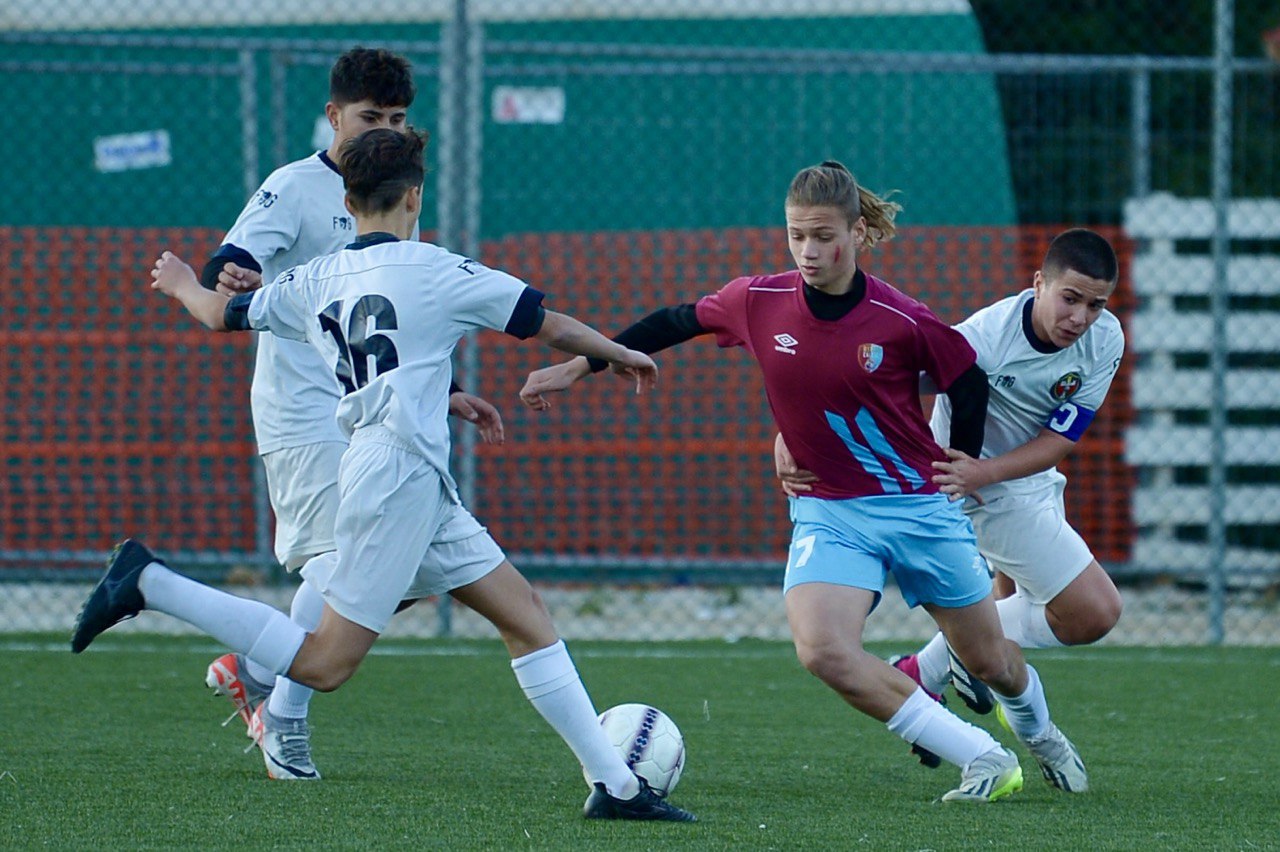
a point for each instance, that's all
(648, 741)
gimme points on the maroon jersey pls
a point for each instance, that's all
(845, 393)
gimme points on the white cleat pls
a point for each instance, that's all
(1059, 760)
(989, 777)
(285, 744)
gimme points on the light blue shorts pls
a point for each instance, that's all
(924, 539)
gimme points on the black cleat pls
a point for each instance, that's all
(927, 758)
(974, 693)
(116, 597)
(909, 665)
(643, 805)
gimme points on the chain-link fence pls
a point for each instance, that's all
(623, 156)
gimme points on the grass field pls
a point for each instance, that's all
(432, 745)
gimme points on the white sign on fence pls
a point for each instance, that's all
(122, 152)
(528, 105)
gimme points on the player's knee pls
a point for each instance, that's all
(323, 673)
(332, 677)
(995, 666)
(1091, 625)
(814, 658)
(826, 661)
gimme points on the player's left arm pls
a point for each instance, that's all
(969, 395)
(659, 330)
(963, 474)
(479, 412)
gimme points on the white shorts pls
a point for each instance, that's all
(302, 484)
(1027, 537)
(400, 534)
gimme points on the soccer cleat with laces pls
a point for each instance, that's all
(974, 693)
(285, 744)
(116, 597)
(1060, 762)
(909, 665)
(226, 676)
(989, 777)
(644, 805)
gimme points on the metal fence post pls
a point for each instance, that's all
(451, 213)
(1219, 300)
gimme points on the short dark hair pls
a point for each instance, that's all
(1083, 251)
(379, 166)
(372, 74)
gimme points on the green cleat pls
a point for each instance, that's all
(989, 777)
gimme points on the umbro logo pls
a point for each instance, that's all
(786, 343)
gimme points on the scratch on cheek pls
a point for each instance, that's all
(837, 254)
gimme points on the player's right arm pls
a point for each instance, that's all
(963, 474)
(664, 328)
(563, 332)
(173, 277)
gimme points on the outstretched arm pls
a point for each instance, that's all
(659, 330)
(563, 332)
(173, 277)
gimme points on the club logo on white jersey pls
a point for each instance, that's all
(1066, 387)
(786, 343)
(870, 356)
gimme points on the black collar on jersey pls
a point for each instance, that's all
(1029, 330)
(373, 238)
(825, 306)
(324, 158)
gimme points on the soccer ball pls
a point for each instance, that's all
(648, 741)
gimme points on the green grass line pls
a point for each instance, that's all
(432, 745)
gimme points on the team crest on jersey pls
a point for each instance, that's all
(1066, 387)
(870, 356)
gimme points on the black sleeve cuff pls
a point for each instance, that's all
(528, 316)
(660, 330)
(969, 394)
(236, 314)
(453, 387)
(225, 254)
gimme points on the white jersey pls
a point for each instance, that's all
(1034, 385)
(297, 214)
(385, 316)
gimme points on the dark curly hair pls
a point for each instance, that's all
(379, 166)
(372, 74)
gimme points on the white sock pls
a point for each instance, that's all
(252, 628)
(924, 722)
(935, 664)
(290, 700)
(1025, 623)
(1027, 714)
(551, 683)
